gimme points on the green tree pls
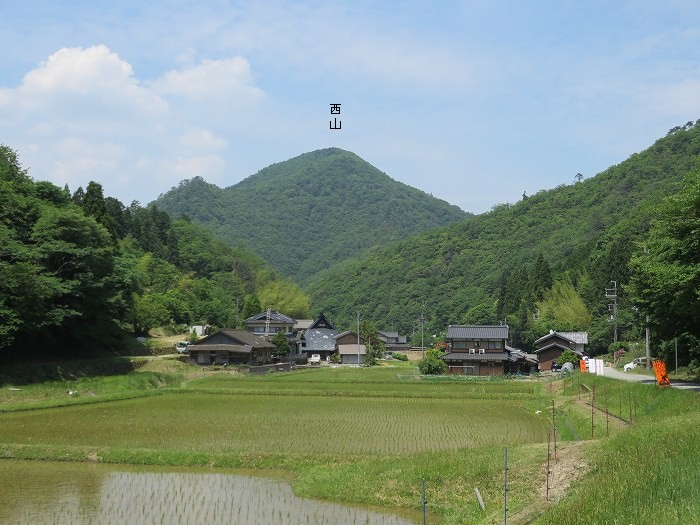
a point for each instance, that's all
(480, 314)
(568, 356)
(666, 273)
(374, 348)
(281, 343)
(431, 364)
(251, 306)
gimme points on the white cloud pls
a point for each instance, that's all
(72, 78)
(228, 78)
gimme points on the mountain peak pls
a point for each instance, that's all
(309, 212)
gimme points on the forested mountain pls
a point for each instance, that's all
(79, 272)
(543, 263)
(305, 214)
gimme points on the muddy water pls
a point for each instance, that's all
(33, 492)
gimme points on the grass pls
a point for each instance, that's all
(366, 437)
(645, 474)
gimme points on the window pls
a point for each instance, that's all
(495, 345)
(459, 344)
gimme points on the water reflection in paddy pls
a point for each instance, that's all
(69, 493)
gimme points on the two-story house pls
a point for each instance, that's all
(393, 341)
(319, 338)
(269, 323)
(477, 350)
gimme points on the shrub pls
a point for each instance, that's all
(400, 357)
(431, 364)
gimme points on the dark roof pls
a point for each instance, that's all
(400, 339)
(477, 332)
(234, 349)
(515, 355)
(238, 337)
(321, 322)
(560, 347)
(320, 339)
(465, 356)
(275, 317)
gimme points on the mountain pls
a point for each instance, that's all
(486, 268)
(309, 212)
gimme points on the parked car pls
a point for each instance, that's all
(315, 359)
(635, 363)
(181, 347)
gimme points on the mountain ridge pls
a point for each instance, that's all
(586, 232)
(308, 212)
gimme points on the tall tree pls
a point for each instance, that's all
(251, 306)
(666, 275)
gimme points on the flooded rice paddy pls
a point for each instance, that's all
(43, 492)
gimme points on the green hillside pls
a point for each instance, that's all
(551, 254)
(309, 212)
(80, 272)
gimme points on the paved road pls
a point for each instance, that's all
(630, 376)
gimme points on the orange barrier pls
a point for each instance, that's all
(582, 365)
(660, 371)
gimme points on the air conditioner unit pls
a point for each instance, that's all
(482, 350)
(472, 351)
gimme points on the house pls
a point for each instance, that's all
(520, 362)
(319, 338)
(270, 323)
(393, 341)
(552, 345)
(348, 349)
(231, 347)
(352, 354)
(477, 350)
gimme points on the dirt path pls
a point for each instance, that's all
(569, 466)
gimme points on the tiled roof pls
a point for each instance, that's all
(561, 347)
(320, 339)
(477, 332)
(275, 317)
(573, 337)
(238, 337)
(303, 324)
(580, 338)
(321, 322)
(236, 349)
(517, 355)
(465, 356)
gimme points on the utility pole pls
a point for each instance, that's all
(647, 344)
(358, 338)
(422, 320)
(611, 293)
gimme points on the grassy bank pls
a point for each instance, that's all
(369, 437)
(646, 474)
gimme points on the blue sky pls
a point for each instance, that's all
(473, 102)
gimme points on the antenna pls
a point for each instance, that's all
(267, 321)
